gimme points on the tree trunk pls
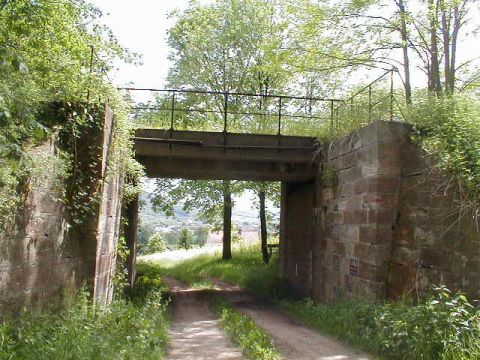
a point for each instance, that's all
(453, 58)
(406, 60)
(227, 221)
(446, 47)
(263, 226)
(434, 75)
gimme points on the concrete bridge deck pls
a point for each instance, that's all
(226, 156)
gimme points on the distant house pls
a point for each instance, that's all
(248, 237)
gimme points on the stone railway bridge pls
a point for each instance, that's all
(366, 215)
(358, 217)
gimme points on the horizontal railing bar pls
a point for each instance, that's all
(231, 113)
(367, 86)
(229, 93)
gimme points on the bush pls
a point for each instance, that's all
(128, 329)
(445, 326)
(156, 244)
(449, 129)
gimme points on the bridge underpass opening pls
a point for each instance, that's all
(237, 136)
(201, 156)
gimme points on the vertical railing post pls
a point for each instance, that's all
(332, 116)
(369, 102)
(391, 95)
(172, 114)
(225, 119)
(225, 111)
(279, 133)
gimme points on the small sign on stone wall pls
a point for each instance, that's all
(354, 267)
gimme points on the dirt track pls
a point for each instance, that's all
(195, 333)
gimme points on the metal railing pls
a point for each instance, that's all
(177, 109)
(378, 100)
(237, 111)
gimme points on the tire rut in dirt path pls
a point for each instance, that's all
(195, 333)
(292, 338)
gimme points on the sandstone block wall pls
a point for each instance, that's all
(383, 224)
(356, 210)
(38, 265)
(43, 259)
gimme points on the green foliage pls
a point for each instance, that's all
(156, 244)
(201, 236)
(442, 326)
(186, 239)
(243, 330)
(449, 129)
(45, 52)
(120, 278)
(128, 329)
(246, 269)
(330, 178)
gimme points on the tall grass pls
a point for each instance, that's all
(128, 329)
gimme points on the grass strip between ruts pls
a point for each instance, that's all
(255, 344)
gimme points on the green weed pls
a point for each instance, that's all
(254, 342)
(128, 329)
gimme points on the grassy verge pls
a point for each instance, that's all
(246, 269)
(131, 328)
(442, 326)
(352, 322)
(254, 343)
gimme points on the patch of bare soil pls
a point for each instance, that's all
(195, 333)
(291, 337)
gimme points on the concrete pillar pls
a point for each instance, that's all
(131, 235)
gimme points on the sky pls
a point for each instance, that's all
(141, 26)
